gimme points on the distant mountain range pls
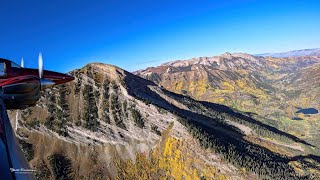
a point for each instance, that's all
(295, 53)
(268, 88)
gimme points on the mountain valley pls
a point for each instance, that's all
(267, 88)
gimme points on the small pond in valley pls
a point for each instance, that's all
(297, 119)
(308, 111)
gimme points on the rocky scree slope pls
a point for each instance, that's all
(108, 121)
(93, 128)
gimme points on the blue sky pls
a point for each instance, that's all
(134, 34)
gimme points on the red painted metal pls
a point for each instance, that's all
(18, 75)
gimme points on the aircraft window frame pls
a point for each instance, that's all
(15, 65)
(3, 70)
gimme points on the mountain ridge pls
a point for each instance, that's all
(260, 87)
(294, 53)
(110, 116)
(87, 128)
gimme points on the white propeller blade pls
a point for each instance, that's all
(40, 61)
(22, 63)
(45, 83)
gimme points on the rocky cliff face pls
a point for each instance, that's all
(93, 128)
(109, 123)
